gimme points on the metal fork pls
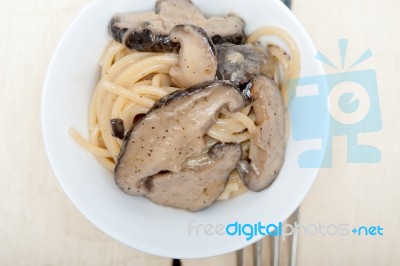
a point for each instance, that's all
(281, 250)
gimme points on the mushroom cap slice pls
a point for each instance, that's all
(240, 63)
(201, 181)
(193, 69)
(149, 32)
(172, 131)
(178, 8)
(267, 143)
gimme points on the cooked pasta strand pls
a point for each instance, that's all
(131, 82)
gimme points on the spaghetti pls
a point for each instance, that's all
(132, 81)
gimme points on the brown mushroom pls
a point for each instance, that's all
(201, 181)
(193, 69)
(240, 63)
(267, 144)
(150, 31)
(172, 132)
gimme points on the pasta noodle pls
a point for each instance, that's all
(132, 81)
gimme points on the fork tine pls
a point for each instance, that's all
(258, 255)
(285, 248)
(239, 257)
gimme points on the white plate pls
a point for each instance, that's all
(136, 221)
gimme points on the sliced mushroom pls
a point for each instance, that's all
(193, 69)
(178, 8)
(117, 127)
(149, 31)
(201, 181)
(240, 63)
(172, 131)
(267, 145)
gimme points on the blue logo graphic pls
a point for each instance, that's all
(350, 100)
